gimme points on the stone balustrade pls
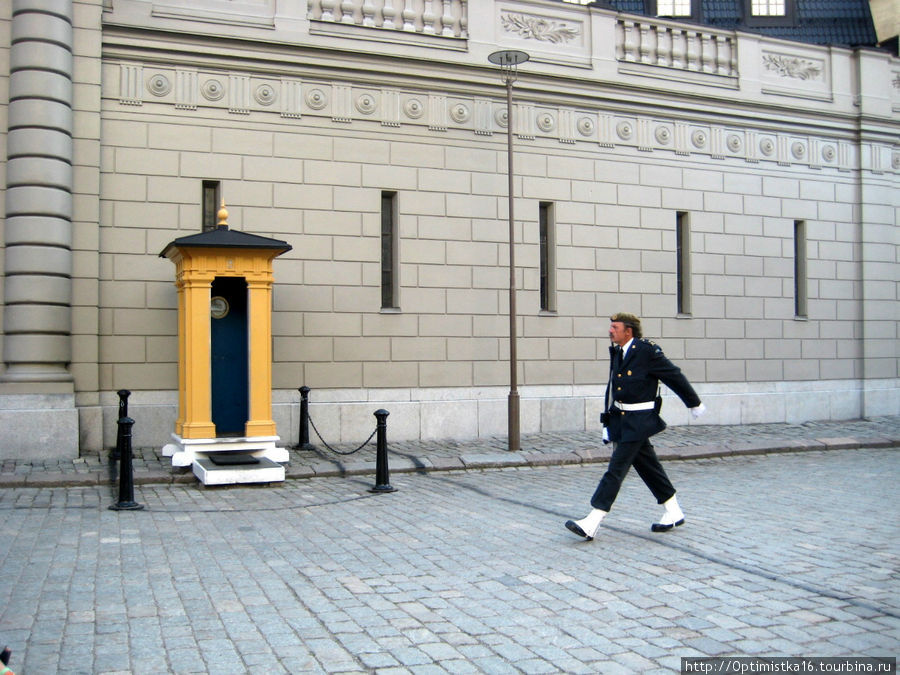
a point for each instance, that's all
(659, 43)
(447, 18)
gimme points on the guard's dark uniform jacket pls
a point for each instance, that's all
(636, 380)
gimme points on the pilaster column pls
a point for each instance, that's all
(259, 301)
(37, 290)
(195, 396)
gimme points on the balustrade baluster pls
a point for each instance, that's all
(388, 13)
(409, 16)
(447, 20)
(693, 60)
(677, 48)
(328, 10)
(663, 46)
(644, 46)
(428, 17)
(368, 13)
(706, 53)
(631, 40)
(348, 9)
(620, 41)
(722, 55)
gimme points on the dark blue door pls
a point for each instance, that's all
(229, 348)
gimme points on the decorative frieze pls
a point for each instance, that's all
(605, 130)
(437, 112)
(566, 125)
(390, 108)
(525, 121)
(239, 94)
(644, 142)
(341, 103)
(484, 118)
(213, 89)
(681, 141)
(243, 94)
(159, 85)
(291, 98)
(131, 84)
(186, 89)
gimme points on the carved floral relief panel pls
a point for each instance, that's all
(795, 75)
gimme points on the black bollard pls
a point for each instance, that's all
(126, 479)
(123, 412)
(304, 443)
(382, 479)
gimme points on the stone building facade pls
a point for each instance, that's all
(739, 193)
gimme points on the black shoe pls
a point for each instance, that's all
(665, 527)
(572, 526)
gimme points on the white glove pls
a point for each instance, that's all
(698, 411)
(605, 435)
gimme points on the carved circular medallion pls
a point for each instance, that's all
(663, 135)
(546, 122)
(585, 126)
(265, 94)
(895, 161)
(459, 113)
(501, 117)
(218, 307)
(625, 130)
(366, 104)
(414, 108)
(698, 138)
(829, 153)
(159, 85)
(316, 99)
(734, 143)
(798, 150)
(767, 146)
(212, 90)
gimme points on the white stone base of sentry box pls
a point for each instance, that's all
(184, 451)
(264, 470)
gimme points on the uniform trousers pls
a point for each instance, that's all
(642, 455)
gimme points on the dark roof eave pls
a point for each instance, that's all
(224, 238)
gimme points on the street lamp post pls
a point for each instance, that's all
(508, 60)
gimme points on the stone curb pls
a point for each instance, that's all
(464, 462)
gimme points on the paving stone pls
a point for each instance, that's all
(458, 571)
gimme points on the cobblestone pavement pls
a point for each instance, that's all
(459, 571)
(544, 449)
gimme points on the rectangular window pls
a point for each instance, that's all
(683, 262)
(389, 259)
(210, 204)
(768, 8)
(800, 278)
(673, 7)
(547, 237)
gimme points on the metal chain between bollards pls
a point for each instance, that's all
(335, 450)
(306, 418)
(382, 471)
